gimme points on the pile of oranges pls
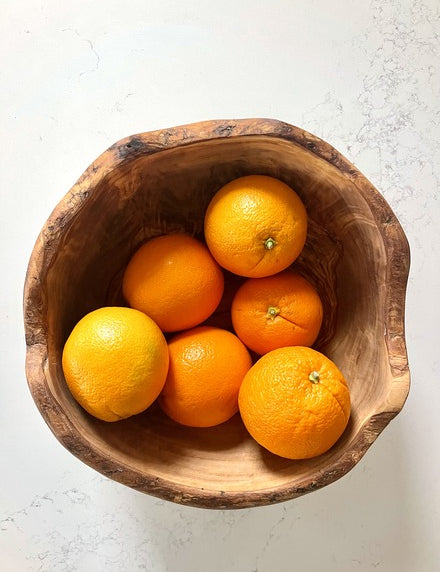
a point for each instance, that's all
(293, 400)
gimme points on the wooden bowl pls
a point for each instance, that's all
(153, 183)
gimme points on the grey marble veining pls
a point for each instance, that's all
(78, 76)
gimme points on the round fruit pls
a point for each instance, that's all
(277, 311)
(295, 402)
(207, 366)
(175, 281)
(255, 226)
(115, 362)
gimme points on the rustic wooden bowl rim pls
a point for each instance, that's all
(397, 252)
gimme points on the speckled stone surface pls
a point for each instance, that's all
(78, 76)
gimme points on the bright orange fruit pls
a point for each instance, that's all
(175, 281)
(255, 226)
(115, 362)
(277, 311)
(207, 366)
(295, 402)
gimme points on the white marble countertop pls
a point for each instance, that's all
(78, 76)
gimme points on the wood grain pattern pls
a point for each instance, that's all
(356, 255)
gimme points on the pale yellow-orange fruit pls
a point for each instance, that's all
(115, 362)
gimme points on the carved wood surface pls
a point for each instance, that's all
(152, 183)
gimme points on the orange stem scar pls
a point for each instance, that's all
(269, 243)
(314, 377)
(272, 312)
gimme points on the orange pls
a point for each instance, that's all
(175, 281)
(277, 311)
(255, 226)
(115, 362)
(207, 366)
(295, 402)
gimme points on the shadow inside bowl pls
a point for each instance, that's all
(170, 438)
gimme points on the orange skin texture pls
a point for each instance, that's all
(115, 362)
(207, 366)
(286, 412)
(291, 297)
(175, 281)
(247, 212)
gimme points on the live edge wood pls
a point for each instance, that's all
(145, 185)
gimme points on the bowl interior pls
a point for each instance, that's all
(169, 191)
